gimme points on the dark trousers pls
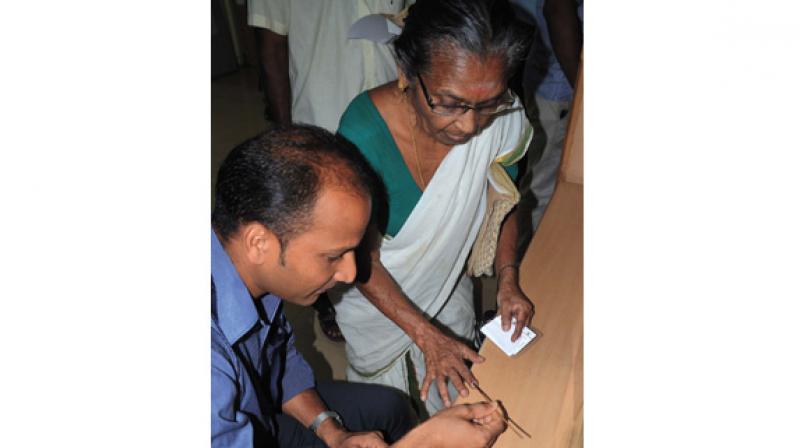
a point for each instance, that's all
(363, 407)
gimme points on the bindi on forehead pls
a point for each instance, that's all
(475, 90)
(472, 87)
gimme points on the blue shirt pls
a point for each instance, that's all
(255, 367)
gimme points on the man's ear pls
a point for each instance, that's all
(261, 245)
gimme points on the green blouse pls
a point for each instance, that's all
(363, 125)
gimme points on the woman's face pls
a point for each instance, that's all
(457, 77)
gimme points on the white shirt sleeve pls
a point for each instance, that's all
(270, 14)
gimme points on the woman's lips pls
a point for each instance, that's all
(460, 138)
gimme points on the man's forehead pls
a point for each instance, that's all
(332, 197)
(338, 217)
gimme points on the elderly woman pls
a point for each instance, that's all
(432, 136)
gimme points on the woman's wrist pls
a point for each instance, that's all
(423, 333)
(512, 265)
(507, 272)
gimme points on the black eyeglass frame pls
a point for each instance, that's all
(447, 110)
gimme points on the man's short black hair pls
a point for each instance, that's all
(275, 179)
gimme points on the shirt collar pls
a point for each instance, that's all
(234, 308)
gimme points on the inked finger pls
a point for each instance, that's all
(465, 374)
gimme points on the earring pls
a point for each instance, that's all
(402, 85)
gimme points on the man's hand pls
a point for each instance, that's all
(444, 358)
(372, 439)
(512, 302)
(464, 426)
(306, 405)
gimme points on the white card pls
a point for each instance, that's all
(494, 331)
(374, 27)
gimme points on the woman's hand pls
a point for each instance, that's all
(444, 359)
(444, 356)
(512, 302)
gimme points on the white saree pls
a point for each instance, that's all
(427, 259)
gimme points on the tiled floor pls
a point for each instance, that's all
(237, 113)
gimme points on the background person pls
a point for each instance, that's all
(312, 69)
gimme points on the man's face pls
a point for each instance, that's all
(324, 255)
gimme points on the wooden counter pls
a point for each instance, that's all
(542, 387)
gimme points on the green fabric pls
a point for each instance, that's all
(363, 125)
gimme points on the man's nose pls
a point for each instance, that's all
(346, 271)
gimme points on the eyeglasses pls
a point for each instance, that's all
(505, 102)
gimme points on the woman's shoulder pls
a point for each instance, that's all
(363, 110)
(363, 122)
(360, 108)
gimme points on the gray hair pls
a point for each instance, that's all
(481, 27)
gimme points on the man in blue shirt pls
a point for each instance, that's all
(291, 208)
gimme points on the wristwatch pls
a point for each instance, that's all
(324, 415)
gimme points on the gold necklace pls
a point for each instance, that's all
(416, 153)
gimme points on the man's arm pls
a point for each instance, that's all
(275, 62)
(444, 356)
(463, 426)
(304, 404)
(307, 405)
(565, 35)
(511, 301)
